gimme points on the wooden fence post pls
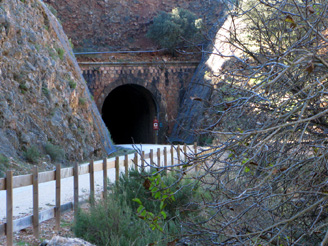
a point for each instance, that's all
(117, 169)
(178, 153)
(165, 159)
(92, 182)
(36, 229)
(142, 160)
(151, 157)
(158, 158)
(57, 208)
(76, 189)
(136, 161)
(105, 177)
(126, 165)
(172, 155)
(9, 224)
(195, 154)
(185, 152)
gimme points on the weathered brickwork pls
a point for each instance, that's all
(166, 82)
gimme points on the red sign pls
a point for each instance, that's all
(155, 124)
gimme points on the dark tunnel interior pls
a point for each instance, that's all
(128, 112)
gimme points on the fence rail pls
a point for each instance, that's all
(13, 182)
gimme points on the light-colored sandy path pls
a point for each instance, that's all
(23, 199)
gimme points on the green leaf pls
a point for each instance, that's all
(157, 195)
(143, 213)
(154, 189)
(163, 214)
(159, 227)
(137, 200)
(162, 205)
(247, 169)
(140, 208)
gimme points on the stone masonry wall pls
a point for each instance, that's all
(166, 82)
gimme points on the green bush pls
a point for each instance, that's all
(55, 152)
(60, 53)
(52, 10)
(23, 87)
(82, 101)
(32, 154)
(72, 84)
(4, 164)
(114, 223)
(135, 186)
(45, 91)
(4, 161)
(172, 29)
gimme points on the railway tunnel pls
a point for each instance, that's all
(128, 112)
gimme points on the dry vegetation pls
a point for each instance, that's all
(268, 110)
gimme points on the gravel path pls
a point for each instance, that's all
(23, 203)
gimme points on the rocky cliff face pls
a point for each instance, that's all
(195, 110)
(121, 24)
(44, 100)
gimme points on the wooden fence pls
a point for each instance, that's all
(11, 182)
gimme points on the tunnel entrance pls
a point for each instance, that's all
(128, 112)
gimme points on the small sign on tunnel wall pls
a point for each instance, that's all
(155, 124)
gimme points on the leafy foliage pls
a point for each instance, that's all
(267, 116)
(4, 164)
(119, 221)
(32, 154)
(55, 152)
(72, 84)
(172, 29)
(113, 223)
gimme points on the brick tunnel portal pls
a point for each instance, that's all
(128, 112)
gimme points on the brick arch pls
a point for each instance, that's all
(128, 112)
(166, 82)
(130, 79)
(148, 135)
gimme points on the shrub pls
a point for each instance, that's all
(52, 10)
(32, 154)
(45, 91)
(113, 222)
(171, 29)
(70, 43)
(23, 87)
(82, 101)
(135, 186)
(4, 161)
(55, 152)
(60, 53)
(72, 84)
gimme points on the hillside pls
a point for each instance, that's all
(46, 111)
(105, 25)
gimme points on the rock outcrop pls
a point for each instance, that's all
(61, 241)
(43, 97)
(194, 109)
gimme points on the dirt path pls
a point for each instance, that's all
(23, 198)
